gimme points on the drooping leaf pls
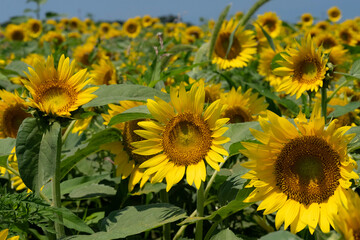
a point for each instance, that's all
(118, 92)
(70, 220)
(92, 190)
(18, 67)
(225, 234)
(268, 37)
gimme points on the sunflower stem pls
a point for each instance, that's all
(251, 12)
(68, 130)
(56, 194)
(200, 199)
(164, 196)
(344, 83)
(183, 227)
(324, 99)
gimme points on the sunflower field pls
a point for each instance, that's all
(244, 127)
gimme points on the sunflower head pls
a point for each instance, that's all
(58, 91)
(270, 22)
(103, 73)
(299, 171)
(307, 19)
(183, 137)
(34, 27)
(264, 68)
(241, 51)
(303, 68)
(334, 14)
(15, 32)
(132, 28)
(12, 113)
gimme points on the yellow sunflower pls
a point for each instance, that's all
(241, 51)
(103, 73)
(34, 27)
(82, 53)
(194, 33)
(213, 92)
(264, 67)
(347, 218)
(270, 22)
(303, 68)
(146, 21)
(126, 162)
(4, 233)
(301, 172)
(326, 40)
(334, 14)
(16, 32)
(132, 28)
(58, 91)
(346, 34)
(183, 138)
(307, 19)
(53, 37)
(12, 113)
(242, 107)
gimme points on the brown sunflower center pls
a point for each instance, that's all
(85, 59)
(129, 137)
(307, 70)
(186, 139)
(12, 119)
(334, 14)
(105, 29)
(107, 77)
(57, 98)
(237, 114)
(195, 34)
(270, 24)
(131, 28)
(35, 27)
(18, 35)
(328, 43)
(222, 44)
(73, 24)
(306, 19)
(345, 36)
(307, 170)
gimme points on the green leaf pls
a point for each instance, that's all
(268, 37)
(28, 143)
(93, 145)
(225, 234)
(216, 30)
(342, 110)
(280, 235)
(18, 67)
(93, 190)
(135, 219)
(181, 48)
(238, 132)
(6, 145)
(119, 92)
(229, 189)
(124, 117)
(274, 62)
(355, 142)
(355, 69)
(151, 188)
(72, 221)
(200, 57)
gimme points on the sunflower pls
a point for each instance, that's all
(301, 172)
(12, 113)
(323, 25)
(183, 136)
(338, 56)
(103, 73)
(270, 22)
(16, 33)
(34, 27)
(58, 91)
(132, 28)
(4, 233)
(326, 40)
(53, 37)
(264, 67)
(146, 21)
(346, 34)
(303, 68)
(334, 14)
(347, 218)
(213, 92)
(307, 19)
(75, 24)
(242, 50)
(87, 53)
(126, 162)
(194, 32)
(242, 107)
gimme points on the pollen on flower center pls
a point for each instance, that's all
(186, 139)
(307, 71)
(60, 98)
(131, 28)
(222, 45)
(307, 170)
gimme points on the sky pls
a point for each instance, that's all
(188, 10)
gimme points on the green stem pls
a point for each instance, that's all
(251, 12)
(68, 130)
(211, 230)
(200, 199)
(166, 228)
(56, 194)
(324, 100)
(337, 89)
(183, 227)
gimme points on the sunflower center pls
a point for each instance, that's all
(107, 77)
(270, 24)
(307, 70)
(237, 115)
(196, 34)
(85, 59)
(18, 36)
(306, 19)
(307, 170)
(222, 45)
(12, 119)
(345, 36)
(105, 29)
(328, 43)
(35, 27)
(57, 98)
(131, 28)
(186, 139)
(129, 137)
(335, 14)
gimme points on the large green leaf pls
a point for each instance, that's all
(355, 142)
(342, 110)
(6, 145)
(36, 147)
(118, 92)
(70, 220)
(135, 219)
(225, 234)
(280, 235)
(93, 145)
(18, 67)
(92, 191)
(239, 132)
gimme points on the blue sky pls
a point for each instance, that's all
(188, 10)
